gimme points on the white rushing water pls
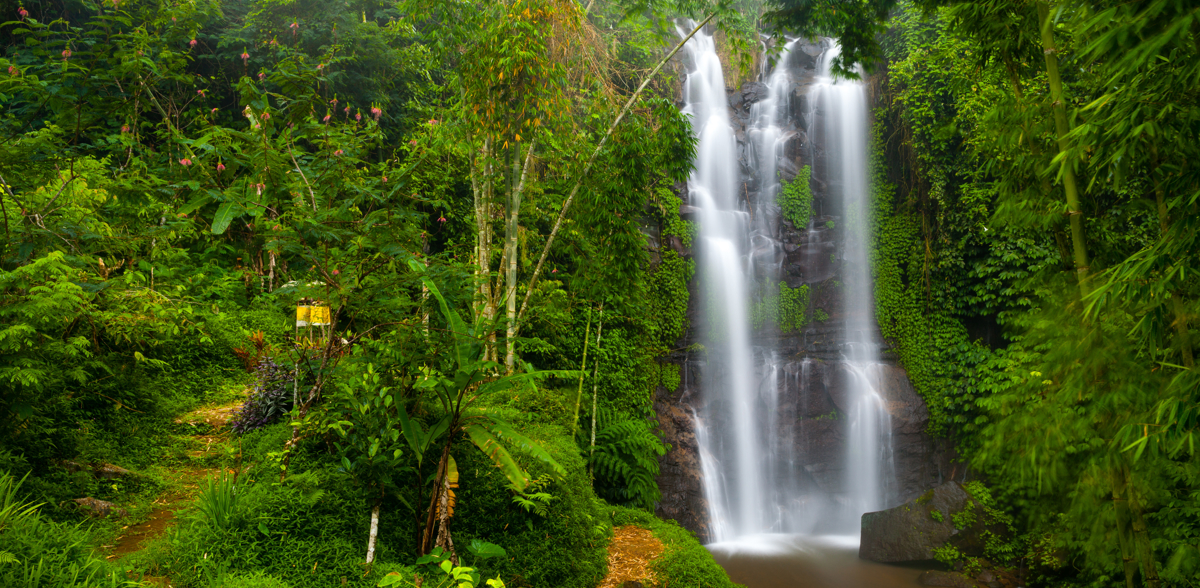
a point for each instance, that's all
(752, 477)
(870, 473)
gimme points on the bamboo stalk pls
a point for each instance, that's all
(587, 336)
(1074, 210)
(511, 241)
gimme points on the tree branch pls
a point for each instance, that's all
(588, 168)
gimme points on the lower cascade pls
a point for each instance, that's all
(792, 371)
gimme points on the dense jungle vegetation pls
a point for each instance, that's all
(468, 189)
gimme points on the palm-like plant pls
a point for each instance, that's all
(473, 379)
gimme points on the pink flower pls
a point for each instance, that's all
(200, 92)
(124, 128)
(295, 26)
(262, 75)
(24, 13)
(321, 67)
(66, 53)
(376, 112)
(213, 111)
(336, 272)
(185, 161)
(245, 57)
(412, 142)
(220, 167)
(554, 271)
(334, 101)
(326, 119)
(273, 43)
(12, 70)
(266, 116)
(441, 219)
(192, 43)
(346, 110)
(358, 116)
(433, 121)
(385, 179)
(116, 3)
(338, 153)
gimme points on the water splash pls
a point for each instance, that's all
(870, 474)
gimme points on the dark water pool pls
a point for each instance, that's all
(793, 561)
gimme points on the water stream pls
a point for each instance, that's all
(764, 507)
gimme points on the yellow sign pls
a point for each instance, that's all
(302, 313)
(319, 315)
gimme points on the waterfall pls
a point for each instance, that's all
(870, 472)
(754, 476)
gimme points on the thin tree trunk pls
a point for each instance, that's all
(427, 536)
(482, 189)
(1141, 537)
(374, 533)
(1177, 307)
(444, 540)
(587, 336)
(511, 230)
(1074, 210)
(562, 215)
(595, 390)
(1120, 493)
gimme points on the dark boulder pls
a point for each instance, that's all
(108, 471)
(99, 508)
(754, 92)
(912, 531)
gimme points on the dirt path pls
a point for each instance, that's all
(211, 426)
(629, 555)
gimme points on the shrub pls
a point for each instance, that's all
(37, 552)
(270, 399)
(625, 461)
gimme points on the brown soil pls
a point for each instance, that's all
(186, 482)
(629, 555)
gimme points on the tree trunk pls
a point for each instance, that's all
(587, 336)
(1124, 532)
(1177, 307)
(595, 390)
(511, 230)
(374, 533)
(1141, 534)
(482, 189)
(1074, 210)
(443, 536)
(427, 535)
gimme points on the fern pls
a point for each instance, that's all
(625, 459)
(7, 558)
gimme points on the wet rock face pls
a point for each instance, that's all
(911, 532)
(811, 421)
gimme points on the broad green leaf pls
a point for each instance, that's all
(225, 215)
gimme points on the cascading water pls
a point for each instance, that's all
(733, 477)
(755, 479)
(870, 472)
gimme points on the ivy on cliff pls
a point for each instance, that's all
(796, 199)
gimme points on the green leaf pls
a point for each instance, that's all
(391, 579)
(225, 215)
(484, 550)
(487, 443)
